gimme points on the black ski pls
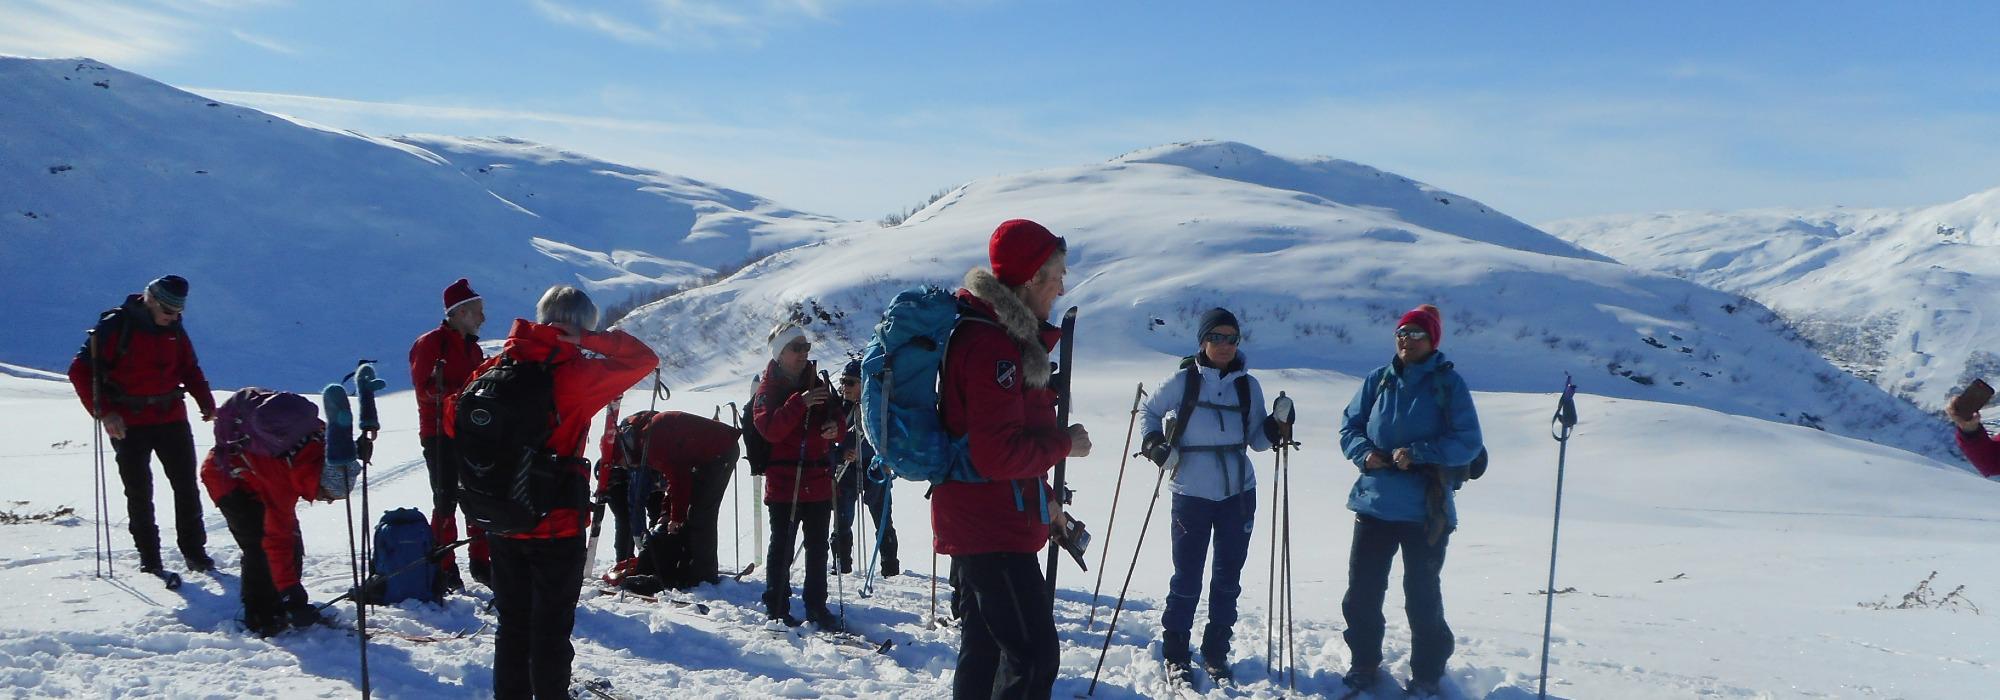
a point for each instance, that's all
(1062, 385)
(593, 688)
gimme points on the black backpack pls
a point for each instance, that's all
(508, 478)
(632, 439)
(756, 449)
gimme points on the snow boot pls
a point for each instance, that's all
(825, 620)
(1174, 650)
(1423, 689)
(299, 610)
(891, 567)
(1215, 652)
(198, 561)
(1360, 680)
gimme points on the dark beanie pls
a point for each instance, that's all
(1217, 316)
(171, 291)
(853, 369)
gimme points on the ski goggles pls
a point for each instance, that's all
(1226, 338)
(1412, 333)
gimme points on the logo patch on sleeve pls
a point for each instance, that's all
(1004, 372)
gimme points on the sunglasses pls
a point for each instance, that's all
(1412, 334)
(1227, 338)
(798, 347)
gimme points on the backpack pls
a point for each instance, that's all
(632, 440)
(756, 449)
(899, 388)
(1477, 467)
(403, 541)
(266, 423)
(508, 478)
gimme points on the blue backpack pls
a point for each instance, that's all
(899, 389)
(403, 540)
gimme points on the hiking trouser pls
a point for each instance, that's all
(711, 484)
(617, 494)
(812, 518)
(1375, 544)
(174, 443)
(854, 489)
(1007, 638)
(245, 515)
(535, 590)
(442, 461)
(1196, 522)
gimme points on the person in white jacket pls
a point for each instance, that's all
(1219, 416)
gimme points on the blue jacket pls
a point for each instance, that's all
(1397, 406)
(1215, 463)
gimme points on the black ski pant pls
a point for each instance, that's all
(812, 518)
(442, 462)
(1375, 544)
(1007, 636)
(245, 515)
(856, 487)
(536, 584)
(174, 443)
(688, 558)
(617, 494)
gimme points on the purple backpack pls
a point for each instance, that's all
(266, 422)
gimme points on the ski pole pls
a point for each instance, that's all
(1105, 554)
(1560, 426)
(1137, 547)
(1282, 410)
(736, 496)
(100, 531)
(1291, 614)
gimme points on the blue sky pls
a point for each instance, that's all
(858, 108)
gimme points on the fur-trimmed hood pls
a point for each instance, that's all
(1017, 320)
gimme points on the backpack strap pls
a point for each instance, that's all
(1190, 393)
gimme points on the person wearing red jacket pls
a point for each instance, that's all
(1981, 449)
(792, 411)
(258, 496)
(995, 392)
(537, 574)
(693, 456)
(132, 374)
(441, 362)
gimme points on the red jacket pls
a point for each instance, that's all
(779, 412)
(459, 355)
(1013, 435)
(677, 444)
(278, 484)
(148, 365)
(583, 386)
(1982, 450)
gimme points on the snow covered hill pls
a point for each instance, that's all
(1894, 296)
(315, 244)
(1319, 258)
(1765, 586)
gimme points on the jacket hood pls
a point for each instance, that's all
(1031, 335)
(538, 342)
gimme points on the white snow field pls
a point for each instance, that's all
(1894, 295)
(314, 243)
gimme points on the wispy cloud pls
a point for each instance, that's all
(689, 23)
(114, 32)
(265, 43)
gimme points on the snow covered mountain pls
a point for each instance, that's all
(1895, 296)
(1319, 258)
(315, 244)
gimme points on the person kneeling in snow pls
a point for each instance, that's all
(269, 454)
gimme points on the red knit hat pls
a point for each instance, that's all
(457, 294)
(1018, 250)
(1428, 318)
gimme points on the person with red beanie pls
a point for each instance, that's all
(441, 362)
(994, 391)
(134, 374)
(1413, 433)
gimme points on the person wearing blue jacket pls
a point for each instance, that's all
(1219, 417)
(1412, 431)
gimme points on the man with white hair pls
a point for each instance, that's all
(537, 573)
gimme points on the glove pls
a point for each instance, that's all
(1155, 448)
(1275, 431)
